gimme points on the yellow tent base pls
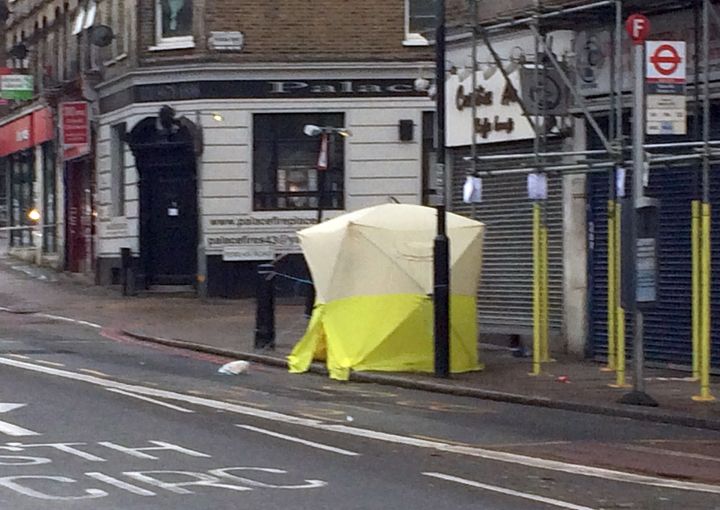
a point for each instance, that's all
(389, 333)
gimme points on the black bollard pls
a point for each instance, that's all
(309, 301)
(127, 272)
(265, 308)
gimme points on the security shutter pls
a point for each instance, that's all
(668, 332)
(505, 295)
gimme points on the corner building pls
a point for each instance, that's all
(202, 153)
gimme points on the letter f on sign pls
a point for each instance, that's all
(638, 28)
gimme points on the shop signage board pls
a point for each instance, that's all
(25, 132)
(665, 83)
(256, 236)
(75, 129)
(499, 117)
(17, 87)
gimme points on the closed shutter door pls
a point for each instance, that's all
(505, 295)
(668, 331)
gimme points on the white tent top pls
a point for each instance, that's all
(387, 249)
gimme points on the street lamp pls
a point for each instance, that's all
(441, 246)
(325, 132)
(37, 232)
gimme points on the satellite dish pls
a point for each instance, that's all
(101, 35)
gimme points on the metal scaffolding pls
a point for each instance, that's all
(613, 158)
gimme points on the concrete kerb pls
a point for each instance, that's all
(448, 389)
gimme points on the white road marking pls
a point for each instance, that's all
(151, 400)
(68, 319)
(133, 489)
(10, 429)
(51, 363)
(510, 458)
(312, 444)
(509, 492)
(671, 453)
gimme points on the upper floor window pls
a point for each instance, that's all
(419, 21)
(173, 24)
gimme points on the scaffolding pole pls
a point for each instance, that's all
(617, 311)
(696, 205)
(705, 223)
(614, 160)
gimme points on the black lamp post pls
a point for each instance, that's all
(441, 248)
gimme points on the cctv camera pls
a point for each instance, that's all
(421, 84)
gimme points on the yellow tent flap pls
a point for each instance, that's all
(391, 333)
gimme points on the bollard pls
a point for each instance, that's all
(265, 308)
(127, 272)
(309, 301)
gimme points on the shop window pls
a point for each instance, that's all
(419, 21)
(117, 162)
(21, 197)
(285, 161)
(173, 24)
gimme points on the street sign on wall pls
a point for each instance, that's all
(75, 129)
(665, 78)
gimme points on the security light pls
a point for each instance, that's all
(312, 130)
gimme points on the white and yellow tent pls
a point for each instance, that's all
(373, 278)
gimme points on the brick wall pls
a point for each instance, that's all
(457, 10)
(295, 30)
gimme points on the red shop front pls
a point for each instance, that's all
(28, 155)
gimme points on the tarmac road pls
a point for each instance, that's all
(90, 419)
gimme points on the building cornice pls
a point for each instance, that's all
(263, 71)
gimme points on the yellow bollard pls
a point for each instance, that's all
(620, 372)
(696, 235)
(544, 296)
(619, 325)
(536, 290)
(705, 283)
(611, 292)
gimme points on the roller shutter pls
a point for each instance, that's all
(667, 327)
(505, 292)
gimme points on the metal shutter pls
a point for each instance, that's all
(505, 292)
(667, 327)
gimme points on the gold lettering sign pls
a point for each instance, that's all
(484, 127)
(482, 98)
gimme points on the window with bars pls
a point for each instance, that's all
(285, 163)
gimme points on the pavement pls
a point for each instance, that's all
(226, 327)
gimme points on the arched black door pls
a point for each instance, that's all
(166, 164)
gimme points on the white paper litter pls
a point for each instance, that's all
(234, 368)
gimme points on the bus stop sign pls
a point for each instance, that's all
(638, 28)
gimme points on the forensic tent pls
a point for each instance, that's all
(373, 276)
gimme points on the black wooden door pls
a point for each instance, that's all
(172, 234)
